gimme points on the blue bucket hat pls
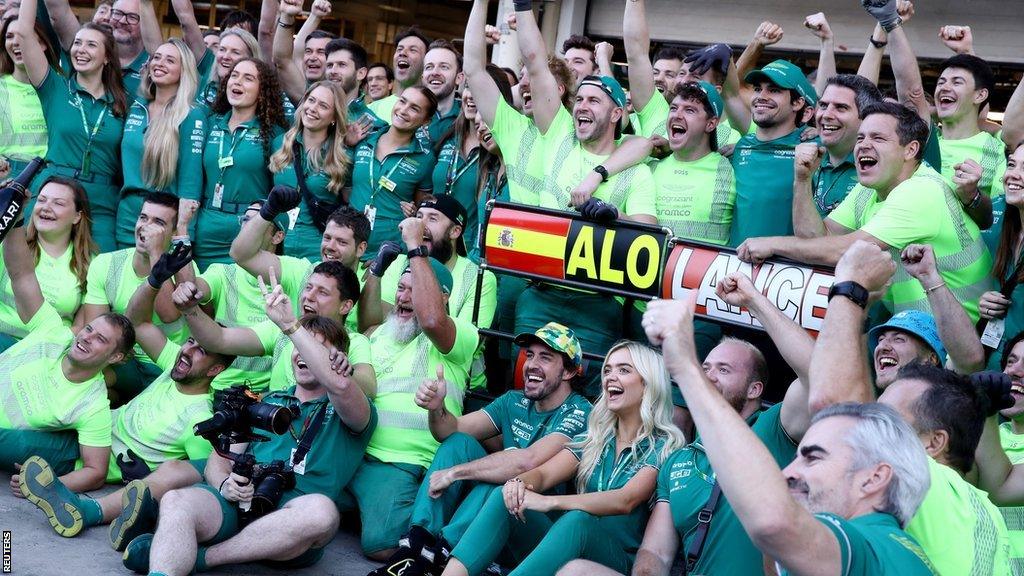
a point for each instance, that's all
(914, 322)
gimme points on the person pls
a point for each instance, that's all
(442, 74)
(102, 13)
(246, 128)
(214, 68)
(419, 338)
(578, 52)
(202, 526)
(379, 78)
(391, 169)
(614, 465)
(899, 201)
(211, 39)
(534, 423)
(945, 410)
(62, 247)
(51, 383)
(346, 65)
(114, 276)
(301, 59)
(90, 152)
(155, 427)
(410, 48)
(318, 136)
(840, 506)
(23, 128)
(162, 147)
(1003, 310)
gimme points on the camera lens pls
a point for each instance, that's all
(269, 417)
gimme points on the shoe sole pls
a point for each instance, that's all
(131, 504)
(36, 483)
(131, 563)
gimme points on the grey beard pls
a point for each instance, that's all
(402, 331)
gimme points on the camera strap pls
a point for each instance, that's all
(703, 525)
(306, 440)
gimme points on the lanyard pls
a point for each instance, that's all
(617, 469)
(90, 133)
(453, 173)
(310, 428)
(230, 158)
(375, 186)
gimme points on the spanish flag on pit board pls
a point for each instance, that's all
(527, 242)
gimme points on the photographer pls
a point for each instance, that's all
(316, 459)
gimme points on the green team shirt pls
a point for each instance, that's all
(652, 120)
(247, 178)
(989, 151)
(334, 455)
(157, 424)
(959, 528)
(874, 544)
(764, 187)
(439, 124)
(131, 75)
(112, 282)
(521, 424)
(379, 186)
(303, 237)
(1013, 445)
(923, 210)
(696, 199)
(832, 183)
(403, 434)
(384, 107)
(188, 182)
(60, 286)
(35, 394)
(294, 275)
(632, 191)
(685, 482)
(519, 140)
(22, 126)
(280, 347)
(457, 175)
(357, 108)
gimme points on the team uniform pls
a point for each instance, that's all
(520, 143)
(457, 175)
(303, 238)
(764, 187)
(832, 183)
(23, 126)
(652, 120)
(279, 348)
(1013, 445)
(873, 545)
(987, 150)
(61, 289)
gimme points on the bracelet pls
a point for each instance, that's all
(877, 43)
(283, 24)
(222, 483)
(291, 329)
(933, 288)
(975, 201)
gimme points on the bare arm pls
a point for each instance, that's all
(246, 251)
(603, 55)
(288, 64)
(871, 63)
(807, 223)
(140, 312)
(533, 50)
(209, 334)
(21, 268)
(190, 31)
(443, 424)
(65, 23)
(311, 24)
(152, 37)
(32, 52)
(498, 467)
(93, 472)
(636, 492)
(818, 26)
(485, 91)
(737, 104)
(1003, 481)
(265, 28)
(824, 251)
(637, 39)
(909, 86)
(427, 300)
(1013, 119)
(660, 544)
(346, 396)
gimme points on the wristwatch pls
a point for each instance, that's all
(877, 43)
(855, 292)
(418, 251)
(602, 171)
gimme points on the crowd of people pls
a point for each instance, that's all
(263, 207)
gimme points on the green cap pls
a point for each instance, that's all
(557, 337)
(441, 272)
(785, 74)
(714, 98)
(609, 86)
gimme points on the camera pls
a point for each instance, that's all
(270, 482)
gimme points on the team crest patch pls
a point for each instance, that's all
(506, 239)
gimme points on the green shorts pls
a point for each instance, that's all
(385, 493)
(58, 447)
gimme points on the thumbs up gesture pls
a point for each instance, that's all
(431, 394)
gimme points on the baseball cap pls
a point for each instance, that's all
(714, 98)
(559, 338)
(915, 322)
(454, 210)
(282, 221)
(441, 272)
(785, 74)
(609, 86)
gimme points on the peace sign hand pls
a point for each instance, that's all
(278, 305)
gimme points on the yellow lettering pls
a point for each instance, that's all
(643, 279)
(582, 255)
(609, 274)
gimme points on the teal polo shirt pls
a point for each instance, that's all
(191, 139)
(458, 175)
(440, 124)
(521, 424)
(303, 239)
(874, 545)
(764, 187)
(131, 76)
(832, 182)
(247, 178)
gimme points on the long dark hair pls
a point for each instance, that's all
(7, 64)
(112, 78)
(1008, 240)
(488, 162)
(269, 103)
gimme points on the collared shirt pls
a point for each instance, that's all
(131, 75)
(832, 182)
(764, 186)
(188, 182)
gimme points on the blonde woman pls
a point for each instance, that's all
(317, 136)
(614, 466)
(162, 148)
(235, 44)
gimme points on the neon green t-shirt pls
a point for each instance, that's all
(696, 199)
(652, 120)
(632, 191)
(521, 424)
(112, 282)
(987, 150)
(384, 107)
(874, 545)
(59, 284)
(22, 126)
(35, 394)
(403, 434)
(280, 347)
(959, 528)
(519, 140)
(157, 424)
(923, 209)
(294, 275)
(1013, 445)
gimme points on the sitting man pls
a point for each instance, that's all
(320, 458)
(419, 339)
(533, 424)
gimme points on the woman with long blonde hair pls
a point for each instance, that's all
(317, 136)
(162, 146)
(614, 467)
(58, 233)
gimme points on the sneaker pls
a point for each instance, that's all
(39, 484)
(402, 563)
(136, 554)
(138, 515)
(493, 570)
(437, 557)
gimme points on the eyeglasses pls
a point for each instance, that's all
(131, 17)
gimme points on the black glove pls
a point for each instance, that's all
(599, 211)
(996, 388)
(716, 56)
(884, 11)
(132, 468)
(522, 5)
(169, 264)
(280, 200)
(385, 256)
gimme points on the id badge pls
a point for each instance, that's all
(226, 162)
(293, 217)
(371, 214)
(993, 333)
(387, 184)
(299, 468)
(218, 195)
